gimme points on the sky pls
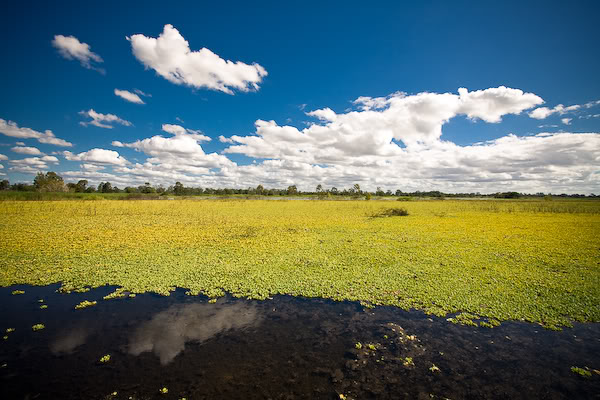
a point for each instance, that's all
(430, 95)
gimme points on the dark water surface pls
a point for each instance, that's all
(285, 348)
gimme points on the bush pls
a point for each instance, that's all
(392, 212)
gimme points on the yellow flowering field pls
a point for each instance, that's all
(488, 261)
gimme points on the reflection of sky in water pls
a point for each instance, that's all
(168, 331)
(69, 340)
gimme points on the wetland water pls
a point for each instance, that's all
(284, 348)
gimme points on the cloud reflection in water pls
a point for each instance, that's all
(168, 331)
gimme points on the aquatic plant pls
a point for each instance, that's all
(434, 368)
(85, 303)
(371, 346)
(358, 345)
(43, 306)
(496, 259)
(38, 327)
(408, 362)
(105, 358)
(15, 292)
(584, 372)
(164, 390)
(9, 330)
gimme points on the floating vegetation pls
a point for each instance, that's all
(38, 327)
(85, 304)
(358, 345)
(43, 306)
(16, 292)
(482, 262)
(434, 368)
(105, 358)
(9, 330)
(408, 362)
(164, 390)
(584, 372)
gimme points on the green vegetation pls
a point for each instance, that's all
(105, 358)
(485, 261)
(38, 327)
(581, 372)
(85, 304)
(16, 292)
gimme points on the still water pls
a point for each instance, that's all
(284, 348)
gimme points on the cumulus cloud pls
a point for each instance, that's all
(32, 164)
(395, 142)
(380, 124)
(130, 97)
(566, 121)
(102, 120)
(32, 151)
(171, 57)
(3, 157)
(72, 49)
(545, 112)
(101, 156)
(11, 129)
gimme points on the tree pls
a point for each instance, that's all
(292, 190)
(5, 185)
(260, 189)
(49, 182)
(334, 190)
(379, 191)
(105, 187)
(81, 186)
(356, 189)
(178, 189)
(319, 188)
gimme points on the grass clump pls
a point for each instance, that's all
(85, 304)
(391, 212)
(105, 358)
(584, 372)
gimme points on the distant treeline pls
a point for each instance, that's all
(51, 182)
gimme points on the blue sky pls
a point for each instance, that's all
(412, 130)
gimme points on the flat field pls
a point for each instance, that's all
(479, 261)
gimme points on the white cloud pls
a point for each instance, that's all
(545, 112)
(102, 120)
(20, 144)
(92, 167)
(170, 56)
(395, 142)
(32, 151)
(491, 104)
(381, 123)
(71, 48)
(3, 157)
(32, 164)
(10, 128)
(223, 139)
(131, 97)
(138, 91)
(566, 121)
(180, 130)
(592, 104)
(101, 156)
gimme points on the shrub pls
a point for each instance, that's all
(391, 212)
